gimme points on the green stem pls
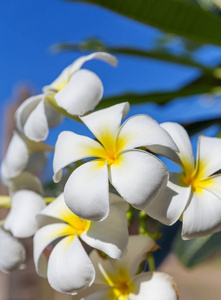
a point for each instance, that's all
(5, 201)
(151, 262)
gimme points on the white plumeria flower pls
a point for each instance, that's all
(76, 91)
(195, 194)
(26, 203)
(69, 268)
(22, 154)
(12, 252)
(137, 175)
(118, 279)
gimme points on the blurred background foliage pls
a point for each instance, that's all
(193, 23)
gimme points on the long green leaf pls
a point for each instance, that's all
(196, 127)
(175, 16)
(195, 251)
(95, 45)
(158, 97)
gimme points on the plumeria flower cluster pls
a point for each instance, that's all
(80, 234)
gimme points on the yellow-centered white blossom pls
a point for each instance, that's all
(137, 175)
(194, 195)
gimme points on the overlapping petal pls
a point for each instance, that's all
(202, 216)
(71, 147)
(185, 155)
(116, 279)
(43, 238)
(25, 109)
(25, 205)
(86, 191)
(142, 130)
(12, 252)
(82, 93)
(57, 210)
(171, 202)
(138, 248)
(118, 202)
(213, 185)
(208, 156)
(105, 123)
(36, 127)
(69, 267)
(110, 235)
(138, 177)
(155, 286)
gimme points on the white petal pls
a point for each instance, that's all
(43, 238)
(118, 201)
(64, 77)
(86, 191)
(213, 185)
(26, 181)
(12, 253)
(142, 130)
(36, 126)
(104, 293)
(71, 147)
(105, 123)
(208, 155)
(82, 93)
(138, 247)
(180, 136)
(24, 110)
(109, 235)
(137, 250)
(94, 292)
(21, 218)
(106, 57)
(16, 158)
(138, 177)
(57, 209)
(53, 117)
(69, 268)
(109, 266)
(156, 285)
(202, 216)
(36, 162)
(170, 203)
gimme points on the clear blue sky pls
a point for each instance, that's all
(29, 28)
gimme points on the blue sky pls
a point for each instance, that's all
(28, 29)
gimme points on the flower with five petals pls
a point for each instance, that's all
(137, 175)
(194, 195)
(69, 268)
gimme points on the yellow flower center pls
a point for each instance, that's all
(122, 289)
(112, 147)
(196, 179)
(77, 224)
(120, 283)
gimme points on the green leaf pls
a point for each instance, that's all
(158, 97)
(97, 45)
(195, 251)
(174, 16)
(196, 127)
